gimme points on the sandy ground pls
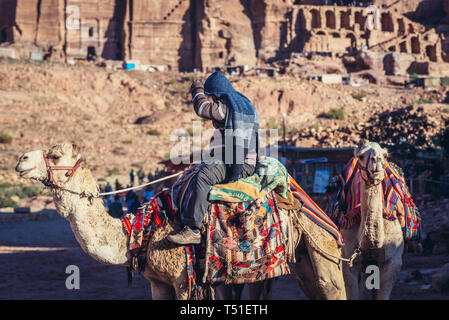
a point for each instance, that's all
(34, 256)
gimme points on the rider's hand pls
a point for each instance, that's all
(196, 85)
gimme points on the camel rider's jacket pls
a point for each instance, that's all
(216, 112)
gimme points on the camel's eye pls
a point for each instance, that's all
(54, 156)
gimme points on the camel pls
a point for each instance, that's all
(379, 240)
(103, 238)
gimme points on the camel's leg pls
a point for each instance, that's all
(162, 291)
(261, 290)
(305, 275)
(230, 291)
(328, 271)
(351, 276)
(388, 275)
(268, 288)
(224, 292)
(237, 290)
(255, 290)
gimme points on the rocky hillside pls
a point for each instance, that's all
(124, 119)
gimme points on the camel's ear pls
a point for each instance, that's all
(385, 153)
(75, 150)
(359, 148)
(362, 143)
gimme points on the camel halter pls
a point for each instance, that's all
(50, 169)
(71, 170)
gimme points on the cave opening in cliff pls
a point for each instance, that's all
(360, 19)
(416, 46)
(91, 53)
(345, 20)
(401, 26)
(403, 47)
(431, 52)
(330, 20)
(7, 20)
(316, 19)
(4, 35)
(387, 22)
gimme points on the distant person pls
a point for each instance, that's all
(141, 175)
(116, 208)
(129, 198)
(150, 176)
(131, 177)
(135, 205)
(117, 185)
(148, 194)
(108, 189)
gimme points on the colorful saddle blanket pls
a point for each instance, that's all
(248, 241)
(344, 199)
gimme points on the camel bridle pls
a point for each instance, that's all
(49, 181)
(365, 169)
(50, 178)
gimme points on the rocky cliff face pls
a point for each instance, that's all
(226, 33)
(187, 34)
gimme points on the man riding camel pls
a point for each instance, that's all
(238, 123)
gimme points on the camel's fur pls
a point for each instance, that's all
(380, 240)
(102, 236)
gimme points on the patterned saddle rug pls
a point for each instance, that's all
(344, 199)
(247, 241)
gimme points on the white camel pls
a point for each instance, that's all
(103, 238)
(381, 241)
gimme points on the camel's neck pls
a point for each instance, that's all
(100, 235)
(371, 233)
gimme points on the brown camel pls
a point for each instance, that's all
(380, 240)
(103, 238)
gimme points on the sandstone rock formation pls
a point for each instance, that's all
(183, 35)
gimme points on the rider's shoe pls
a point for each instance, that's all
(185, 236)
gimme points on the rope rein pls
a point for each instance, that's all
(91, 195)
(141, 186)
(339, 258)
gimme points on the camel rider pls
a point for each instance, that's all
(238, 123)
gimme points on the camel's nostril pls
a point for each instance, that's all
(24, 157)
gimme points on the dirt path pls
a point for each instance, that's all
(34, 256)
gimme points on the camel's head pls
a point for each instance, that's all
(371, 161)
(32, 165)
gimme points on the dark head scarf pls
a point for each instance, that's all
(242, 120)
